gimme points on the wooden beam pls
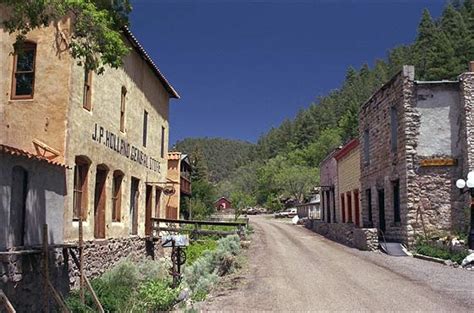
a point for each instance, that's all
(210, 223)
(88, 284)
(6, 303)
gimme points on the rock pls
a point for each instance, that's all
(449, 263)
(468, 260)
(184, 295)
(245, 244)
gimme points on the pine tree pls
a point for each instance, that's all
(424, 53)
(452, 24)
(199, 165)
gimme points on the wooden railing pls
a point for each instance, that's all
(173, 226)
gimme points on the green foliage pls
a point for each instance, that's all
(220, 156)
(96, 36)
(156, 296)
(441, 252)
(205, 271)
(197, 249)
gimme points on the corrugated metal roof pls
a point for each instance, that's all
(22, 153)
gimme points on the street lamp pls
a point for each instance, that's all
(469, 183)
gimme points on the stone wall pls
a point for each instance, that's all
(347, 234)
(21, 275)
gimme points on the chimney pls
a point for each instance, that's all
(471, 66)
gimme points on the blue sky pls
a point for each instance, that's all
(243, 66)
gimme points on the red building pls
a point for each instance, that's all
(223, 204)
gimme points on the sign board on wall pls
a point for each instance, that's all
(439, 162)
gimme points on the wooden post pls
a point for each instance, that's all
(81, 261)
(6, 303)
(45, 267)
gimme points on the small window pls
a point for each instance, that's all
(117, 196)
(122, 109)
(23, 83)
(87, 101)
(366, 147)
(393, 128)
(163, 130)
(396, 201)
(80, 189)
(145, 127)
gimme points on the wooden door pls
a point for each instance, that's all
(99, 203)
(148, 197)
(356, 208)
(134, 199)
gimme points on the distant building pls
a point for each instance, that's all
(310, 209)
(223, 204)
(416, 140)
(179, 174)
(329, 192)
(348, 181)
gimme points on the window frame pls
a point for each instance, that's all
(123, 101)
(393, 129)
(117, 179)
(145, 127)
(28, 45)
(163, 133)
(81, 171)
(87, 90)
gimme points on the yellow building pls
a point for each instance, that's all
(348, 180)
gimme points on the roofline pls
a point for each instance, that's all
(351, 145)
(23, 153)
(427, 82)
(142, 52)
(330, 155)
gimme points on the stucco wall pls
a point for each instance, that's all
(44, 116)
(144, 92)
(44, 201)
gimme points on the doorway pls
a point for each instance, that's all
(99, 201)
(134, 199)
(148, 197)
(381, 196)
(19, 192)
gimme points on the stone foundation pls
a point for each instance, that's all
(347, 234)
(21, 275)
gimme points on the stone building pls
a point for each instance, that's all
(348, 181)
(329, 192)
(179, 174)
(79, 145)
(414, 146)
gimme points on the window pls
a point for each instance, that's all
(117, 196)
(122, 109)
(145, 127)
(343, 208)
(396, 201)
(87, 101)
(80, 189)
(368, 196)
(163, 142)
(24, 61)
(393, 128)
(366, 147)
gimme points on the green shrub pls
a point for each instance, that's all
(156, 295)
(154, 270)
(429, 249)
(197, 248)
(205, 271)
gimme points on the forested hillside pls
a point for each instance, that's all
(288, 156)
(221, 156)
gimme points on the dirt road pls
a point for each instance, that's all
(294, 269)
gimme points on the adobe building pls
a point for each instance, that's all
(415, 143)
(329, 191)
(348, 181)
(179, 175)
(74, 145)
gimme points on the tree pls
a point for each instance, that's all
(297, 181)
(95, 39)
(424, 53)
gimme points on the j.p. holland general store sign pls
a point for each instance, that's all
(124, 148)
